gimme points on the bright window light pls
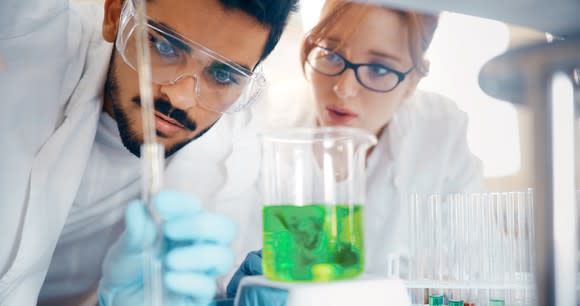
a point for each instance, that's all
(462, 45)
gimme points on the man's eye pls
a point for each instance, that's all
(222, 76)
(163, 47)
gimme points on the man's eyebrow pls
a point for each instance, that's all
(171, 35)
(168, 33)
(221, 65)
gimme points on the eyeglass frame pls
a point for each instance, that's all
(255, 75)
(354, 66)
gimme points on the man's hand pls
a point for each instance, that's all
(196, 252)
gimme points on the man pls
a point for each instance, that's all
(71, 130)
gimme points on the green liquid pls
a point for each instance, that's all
(496, 302)
(312, 242)
(436, 300)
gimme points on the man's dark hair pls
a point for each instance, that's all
(271, 13)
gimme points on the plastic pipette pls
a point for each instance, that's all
(152, 156)
(150, 150)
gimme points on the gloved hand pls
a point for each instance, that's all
(262, 296)
(252, 265)
(254, 295)
(199, 254)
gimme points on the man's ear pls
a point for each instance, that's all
(111, 19)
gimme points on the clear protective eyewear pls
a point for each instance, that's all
(221, 85)
(374, 77)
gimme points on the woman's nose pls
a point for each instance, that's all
(347, 85)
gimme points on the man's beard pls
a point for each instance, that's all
(128, 137)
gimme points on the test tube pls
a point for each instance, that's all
(496, 302)
(455, 303)
(530, 243)
(521, 245)
(435, 299)
(497, 251)
(464, 245)
(510, 248)
(417, 226)
(413, 235)
(457, 237)
(475, 243)
(578, 254)
(436, 294)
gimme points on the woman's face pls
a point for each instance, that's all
(380, 38)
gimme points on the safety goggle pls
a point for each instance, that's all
(220, 84)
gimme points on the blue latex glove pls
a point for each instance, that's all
(200, 252)
(254, 295)
(262, 296)
(252, 265)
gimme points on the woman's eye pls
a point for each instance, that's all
(333, 57)
(379, 70)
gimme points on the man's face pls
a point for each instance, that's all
(179, 115)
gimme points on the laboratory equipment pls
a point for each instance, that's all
(361, 291)
(471, 249)
(314, 189)
(539, 77)
(152, 155)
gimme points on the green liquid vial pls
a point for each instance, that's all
(436, 300)
(496, 302)
(313, 242)
(455, 303)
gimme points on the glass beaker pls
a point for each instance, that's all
(313, 193)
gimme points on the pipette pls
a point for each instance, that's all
(152, 157)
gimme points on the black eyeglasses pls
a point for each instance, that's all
(374, 77)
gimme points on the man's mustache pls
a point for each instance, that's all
(165, 108)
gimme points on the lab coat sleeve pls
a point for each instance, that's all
(40, 46)
(466, 173)
(20, 17)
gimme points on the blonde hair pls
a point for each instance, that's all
(420, 27)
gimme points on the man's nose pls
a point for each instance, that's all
(347, 85)
(184, 93)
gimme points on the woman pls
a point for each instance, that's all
(366, 76)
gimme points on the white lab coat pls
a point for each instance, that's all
(64, 176)
(49, 112)
(423, 150)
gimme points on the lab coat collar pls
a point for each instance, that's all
(395, 134)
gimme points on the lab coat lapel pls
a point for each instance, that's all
(387, 183)
(401, 145)
(58, 168)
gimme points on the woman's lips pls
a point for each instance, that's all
(340, 115)
(166, 125)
